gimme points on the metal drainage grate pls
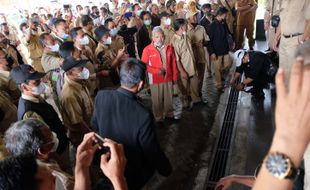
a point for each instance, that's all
(218, 168)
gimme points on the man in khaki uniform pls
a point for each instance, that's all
(272, 9)
(11, 50)
(165, 25)
(8, 113)
(76, 103)
(199, 38)
(295, 19)
(7, 85)
(117, 40)
(30, 39)
(88, 27)
(108, 58)
(245, 21)
(230, 19)
(188, 83)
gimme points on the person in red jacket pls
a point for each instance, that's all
(162, 72)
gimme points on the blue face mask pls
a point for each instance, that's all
(65, 36)
(148, 22)
(138, 12)
(114, 31)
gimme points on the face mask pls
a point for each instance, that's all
(10, 62)
(114, 31)
(123, 27)
(147, 22)
(26, 31)
(159, 44)
(84, 40)
(84, 12)
(65, 36)
(194, 24)
(168, 22)
(184, 33)
(33, 32)
(55, 141)
(24, 20)
(207, 14)
(96, 21)
(108, 41)
(54, 48)
(138, 12)
(84, 75)
(38, 90)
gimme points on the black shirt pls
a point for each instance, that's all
(217, 33)
(257, 67)
(118, 115)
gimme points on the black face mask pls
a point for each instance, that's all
(194, 24)
(5, 41)
(123, 27)
(10, 61)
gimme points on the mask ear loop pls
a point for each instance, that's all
(256, 172)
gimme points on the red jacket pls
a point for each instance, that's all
(151, 57)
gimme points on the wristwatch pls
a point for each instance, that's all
(280, 166)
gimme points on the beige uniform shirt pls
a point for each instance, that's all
(293, 16)
(245, 19)
(51, 61)
(77, 107)
(10, 113)
(184, 53)
(117, 43)
(198, 38)
(276, 6)
(34, 47)
(9, 87)
(92, 43)
(169, 33)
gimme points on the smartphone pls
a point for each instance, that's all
(99, 140)
(128, 15)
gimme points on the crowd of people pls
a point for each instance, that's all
(70, 112)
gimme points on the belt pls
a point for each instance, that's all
(292, 35)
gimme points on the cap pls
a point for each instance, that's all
(170, 2)
(190, 14)
(238, 56)
(163, 14)
(70, 63)
(100, 31)
(206, 5)
(24, 72)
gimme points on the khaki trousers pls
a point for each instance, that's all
(271, 34)
(189, 88)
(240, 35)
(161, 95)
(221, 68)
(287, 50)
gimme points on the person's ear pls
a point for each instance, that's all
(42, 153)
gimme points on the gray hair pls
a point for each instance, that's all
(132, 72)
(303, 50)
(24, 137)
(157, 29)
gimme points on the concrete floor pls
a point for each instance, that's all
(189, 143)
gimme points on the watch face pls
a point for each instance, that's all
(278, 165)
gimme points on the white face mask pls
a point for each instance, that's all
(54, 48)
(108, 41)
(55, 141)
(96, 21)
(84, 75)
(184, 33)
(84, 40)
(168, 22)
(38, 90)
(159, 44)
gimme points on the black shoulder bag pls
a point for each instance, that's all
(275, 19)
(232, 10)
